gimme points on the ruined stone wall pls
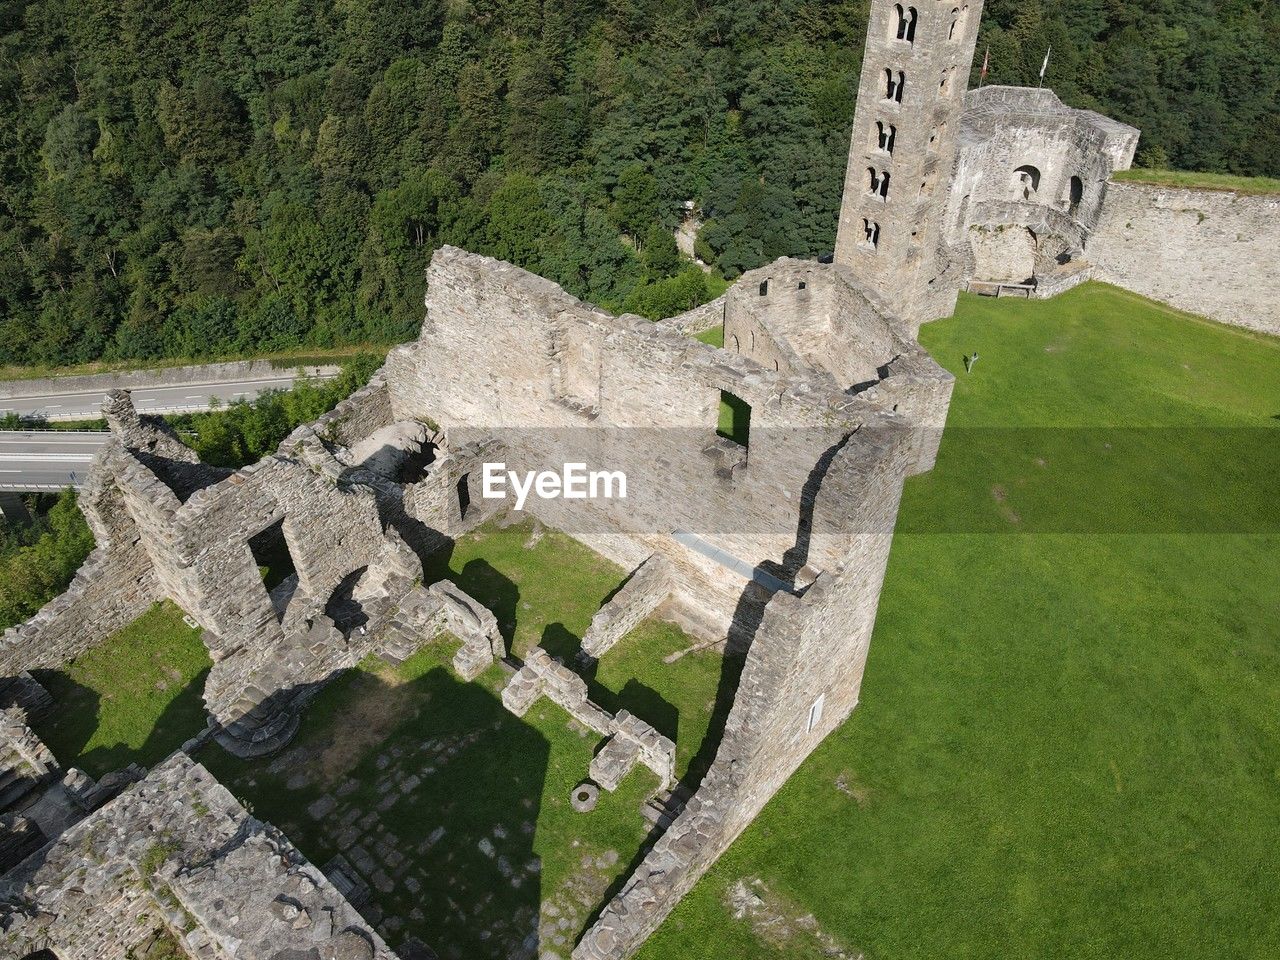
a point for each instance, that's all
(178, 852)
(113, 587)
(1206, 251)
(492, 362)
(647, 588)
(801, 679)
(1012, 136)
(699, 319)
(359, 415)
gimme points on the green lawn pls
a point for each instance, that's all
(1068, 743)
(457, 812)
(714, 336)
(1193, 180)
(133, 699)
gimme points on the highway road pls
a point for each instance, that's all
(46, 460)
(181, 398)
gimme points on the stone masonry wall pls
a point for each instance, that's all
(1205, 251)
(113, 587)
(177, 851)
(642, 400)
(801, 679)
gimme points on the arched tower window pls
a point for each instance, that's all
(955, 22)
(905, 28)
(885, 134)
(893, 85)
(871, 233)
(877, 182)
(1026, 181)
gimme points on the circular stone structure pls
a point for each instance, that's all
(584, 797)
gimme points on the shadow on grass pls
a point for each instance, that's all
(746, 621)
(635, 697)
(434, 792)
(481, 580)
(79, 713)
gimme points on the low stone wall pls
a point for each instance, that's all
(648, 587)
(111, 589)
(363, 413)
(167, 376)
(1206, 251)
(699, 319)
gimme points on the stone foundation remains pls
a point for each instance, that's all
(177, 853)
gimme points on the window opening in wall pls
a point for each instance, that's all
(464, 495)
(955, 20)
(1026, 181)
(270, 552)
(276, 566)
(734, 422)
(815, 713)
(893, 85)
(803, 284)
(905, 28)
(878, 182)
(737, 347)
(871, 233)
(764, 288)
(1075, 195)
(885, 135)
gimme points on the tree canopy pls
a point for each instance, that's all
(200, 178)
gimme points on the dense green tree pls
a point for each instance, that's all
(195, 178)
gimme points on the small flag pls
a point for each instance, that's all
(986, 67)
(1045, 66)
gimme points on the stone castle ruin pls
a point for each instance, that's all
(1030, 182)
(772, 540)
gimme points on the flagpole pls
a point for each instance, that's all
(1044, 66)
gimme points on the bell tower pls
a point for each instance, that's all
(910, 98)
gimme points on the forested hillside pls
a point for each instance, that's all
(192, 177)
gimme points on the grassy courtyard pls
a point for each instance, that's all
(453, 810)
(1067, 743)
(133, 699)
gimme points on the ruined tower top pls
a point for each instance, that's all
(910, 99)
